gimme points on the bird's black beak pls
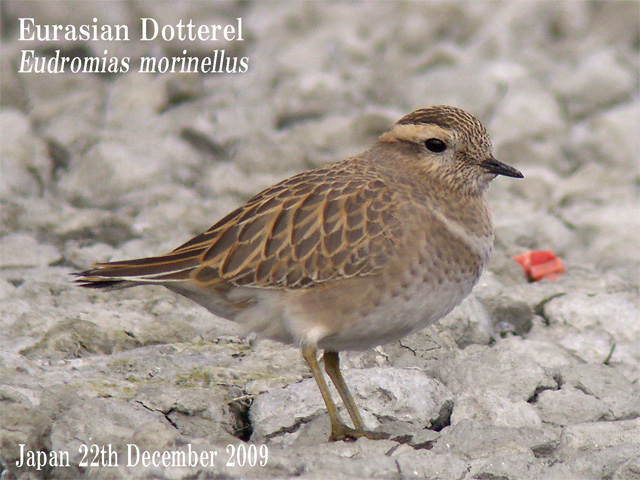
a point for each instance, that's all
(494, 166)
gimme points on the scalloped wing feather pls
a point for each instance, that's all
(315, 227)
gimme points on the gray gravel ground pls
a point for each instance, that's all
(522, 381)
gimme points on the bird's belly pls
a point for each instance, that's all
(355, 315)
(404, 308)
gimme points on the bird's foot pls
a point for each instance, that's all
(344, 433)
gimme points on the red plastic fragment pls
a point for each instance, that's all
(538, 264)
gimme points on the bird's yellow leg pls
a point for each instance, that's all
(332, 367)
(310, 355)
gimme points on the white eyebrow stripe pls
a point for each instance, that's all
(414, 133)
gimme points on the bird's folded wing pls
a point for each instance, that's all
(312, 228)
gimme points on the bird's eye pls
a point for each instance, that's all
(435, 145)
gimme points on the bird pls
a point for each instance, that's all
(347, 256)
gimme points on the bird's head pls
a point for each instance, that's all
(449, 144)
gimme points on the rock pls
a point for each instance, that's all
(69, 108)
(24, 162)
(569, 405)
(7, 289)
(361, 459)
(548, 354)
(419, 349)
(585, 438)
(13, 94)
(510, 315)
(616, 253)
(70, 430)
(113, 160)
(77, 338)
(284, 410)
(488, 408)
(19, 417)
(183, 87)
(467, 441)
(615, 462)
(24, 320)
(196, 412)
(620, 395)
(405, 395)
(469, 323)
(528, 111)
(628, 465)
(408, 433)
(607, 137)
(532, 229)
(20, 250)
(588, 318)
(427, 464)
(284, 363)
(506, 466)
(595, 346)
(499, 370)
(382, 394)
(600, 80)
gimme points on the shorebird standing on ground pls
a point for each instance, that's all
(347, 256)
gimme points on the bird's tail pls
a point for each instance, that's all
(169, 268)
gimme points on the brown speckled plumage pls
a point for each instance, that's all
(349, 255)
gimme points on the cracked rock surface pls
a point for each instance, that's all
(523, 380)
